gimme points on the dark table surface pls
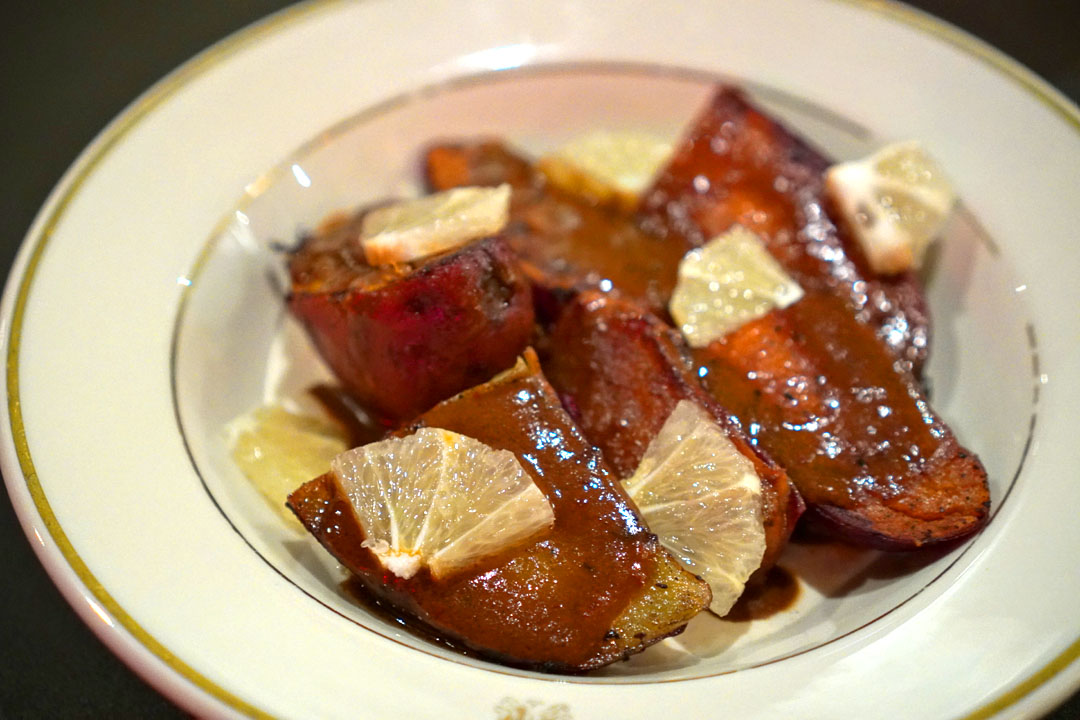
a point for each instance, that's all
(66, 69)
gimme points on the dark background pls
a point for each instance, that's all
(66, 69)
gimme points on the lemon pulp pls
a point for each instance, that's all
(278, 450)
(413, 229)
(702, 499)
(727, 282)
(607, 166)
(439, 500)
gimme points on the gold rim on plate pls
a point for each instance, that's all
(119, 128)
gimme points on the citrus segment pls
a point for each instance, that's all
(727, 282)
(277, 450)
(606, 166)
(895, 202)
(412, 229)
(439, 500)
(702, 498)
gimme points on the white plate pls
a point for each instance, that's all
(139, 318)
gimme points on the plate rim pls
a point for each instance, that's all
(133, 643)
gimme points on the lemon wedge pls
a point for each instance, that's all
(727, 282)
(414, 229)
(702, 499)
(895, 202)
(439, 500)
(278, 450)
(607, 166)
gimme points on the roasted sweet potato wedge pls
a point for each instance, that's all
(403, 337)
(566, 243)
(738, 165)
(597, 588)
(823, 397)
(621, 371)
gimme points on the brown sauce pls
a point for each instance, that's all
(565, 242)
(821, 395)
(359, 424)
(774, 594)
(812, 385)
(818, 393)
(623, 371)
(359, 594)
(593, 563)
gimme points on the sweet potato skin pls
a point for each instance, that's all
(403, 340)
(737, 165)
(621, 371)
(595, 589)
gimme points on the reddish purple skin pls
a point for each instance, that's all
(405, 345)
